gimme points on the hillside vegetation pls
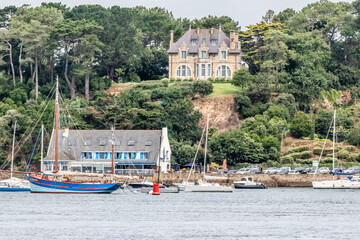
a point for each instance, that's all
(301, 66)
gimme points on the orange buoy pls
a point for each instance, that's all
(156, 190)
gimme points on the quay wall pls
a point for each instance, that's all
(271, 180)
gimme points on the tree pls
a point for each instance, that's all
(33, 27)
(5, 37)
(276, 54)
(301, 125)
(224, 22)
(354, 136)
(242, 77)
(237, 147)
(269, 16)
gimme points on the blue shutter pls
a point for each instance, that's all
(90, 155)
(82, 156)
(125, 155)
(110, 155)
(106, 156)
(120, 155)
(134, 155)
(141, 155)
(97, 156)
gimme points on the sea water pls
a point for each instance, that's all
(275, 213)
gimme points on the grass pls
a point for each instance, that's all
(221, 89)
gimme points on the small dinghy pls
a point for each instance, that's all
(247, 182)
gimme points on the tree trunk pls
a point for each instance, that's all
(52, 68)
(71, 84)
(36, 79)
(72, 89)
(20, 71)
(32, 72)
(11, 63)
(87, 82)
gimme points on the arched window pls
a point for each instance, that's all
(183, 71)
(223, 71)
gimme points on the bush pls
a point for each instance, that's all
(305, 161)
(306, 154)
(350, 148)
(299, 149)
(203, 87)
(317, 151)
(286, 160)
(148, 85)
(295, 156)
(344, 154)
(301, 125)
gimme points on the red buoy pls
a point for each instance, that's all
(156, 190)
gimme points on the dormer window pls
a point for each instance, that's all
(71, 143)
(213, 42)
(193, 42)
(204, 40)
(117, 143)
(87, 142)
(203, 54)
(223, 54)
(102, 143)
(148, 143)
(131, 143)
(183, 54)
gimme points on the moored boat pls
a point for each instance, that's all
(248, 183)
(42, 183)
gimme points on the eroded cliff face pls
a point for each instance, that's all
(222, 112)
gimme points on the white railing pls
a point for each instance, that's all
(143, 172)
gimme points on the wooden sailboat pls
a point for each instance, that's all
(207, 186)
(14, 184)
(53, 183)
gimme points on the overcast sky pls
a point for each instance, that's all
(244, 11)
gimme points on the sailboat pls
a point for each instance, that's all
(206, 186)
(55, 183)
(350, 182)
(14, 184)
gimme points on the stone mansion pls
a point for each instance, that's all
(203, 54)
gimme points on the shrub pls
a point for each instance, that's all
(299, 149)
(306, 154)
(286, 160)
(350, 148)
(147, 85)
(305, 161)
(301, 125)
(344, 154)
(295, 156)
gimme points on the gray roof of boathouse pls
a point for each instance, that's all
(73, 142)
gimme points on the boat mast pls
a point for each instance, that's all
(334, 139)
(206, 139)
(12, 152)
(112, 151)
(42, 148)
(56, 124)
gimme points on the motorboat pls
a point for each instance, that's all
(248, 183)
(351, 182)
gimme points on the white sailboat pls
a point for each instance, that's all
(206, 186)
(350, 182)
(14, 184)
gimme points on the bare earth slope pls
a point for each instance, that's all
(222, 112)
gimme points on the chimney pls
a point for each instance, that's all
(212, 31)
(171, 36)
(234, 39)
(198, 30)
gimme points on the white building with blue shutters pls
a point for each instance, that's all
(137, 152)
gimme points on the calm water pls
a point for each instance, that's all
(276, 213)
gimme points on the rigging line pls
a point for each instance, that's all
(322, 150)
(37, 114)
(23, 140)
(32, 154)
(197, 150)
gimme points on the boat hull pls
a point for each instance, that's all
(208, 188)
(38, 185)
(10, 189)
(162, 190)
(252, 186)
(336, 184)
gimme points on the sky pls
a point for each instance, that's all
(244, 11)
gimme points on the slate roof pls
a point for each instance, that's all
(68, 152)
(204, 34)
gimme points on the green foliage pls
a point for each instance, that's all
(354, 136)
(286, 160)
(242, 77)
(300, 125)
(343, 154)
(298, 149)
(236, 146)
